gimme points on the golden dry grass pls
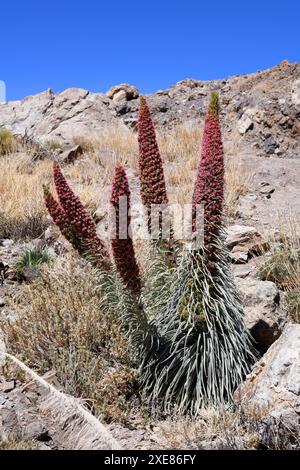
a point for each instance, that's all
(179, 149)
(22, 211)
(213, 429)
(23, 215)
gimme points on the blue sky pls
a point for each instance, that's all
(96, 44)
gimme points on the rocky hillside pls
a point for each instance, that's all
(261, 111)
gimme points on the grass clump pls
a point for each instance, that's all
(22, 212)
(53, 145)
(282, 267)
(31, 257)
(18, 443)
(7, 142)
(62, 327)
(293, 304)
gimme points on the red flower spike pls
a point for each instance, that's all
(60, 218)
(151, 173)
(123, 250)
(79, 217)
(209, 186)
(79, 227)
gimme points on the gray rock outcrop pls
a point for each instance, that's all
(273, 390)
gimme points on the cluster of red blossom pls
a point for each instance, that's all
(209, 185)
(74, 221)
(121, 243)
(78, 226)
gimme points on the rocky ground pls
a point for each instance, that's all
(261, 127)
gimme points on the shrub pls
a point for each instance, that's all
(7, 142)
(200, 349)
(63, 327)
(22, 209)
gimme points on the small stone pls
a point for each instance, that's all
(31, 273)
(37, 430)
(238, 234)
(8, 386)
(244, 242)
(2, 302)
(242, 271)
(71, 155)
(239, 257)
(7, 242)
(52, 233)
(263, 315)
(266, 188)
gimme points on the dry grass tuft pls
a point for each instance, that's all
(18, 443)
(22, 211)
(7, 142)
(60, 327)
(283, 266)
(116, 145)
(213, 429)
(237, 183)
(181, 144)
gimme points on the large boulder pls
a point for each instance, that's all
(123, 92)
(296, 93)
(272, 390)
(244, 242)
(263, 314)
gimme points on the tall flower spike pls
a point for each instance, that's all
(80, 221)
(153, 186)
(60, 219)
(209, 186)
(122, 246)
(79, 217)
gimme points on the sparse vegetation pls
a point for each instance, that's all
(214, 428)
